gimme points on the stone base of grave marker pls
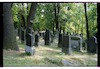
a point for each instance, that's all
(30, 50)
(67, 50)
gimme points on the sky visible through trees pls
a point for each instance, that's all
(71, 16)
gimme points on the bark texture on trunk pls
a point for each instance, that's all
(31, 13)
(87, 29)
(9, 36)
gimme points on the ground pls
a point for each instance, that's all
(47, 56)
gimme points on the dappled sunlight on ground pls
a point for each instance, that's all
(47, 56)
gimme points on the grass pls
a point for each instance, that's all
(46, 56)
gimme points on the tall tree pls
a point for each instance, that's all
(31, 13)
(1, 26)
(30, 19)
(56, 15)
(87, 31)
(9, 38)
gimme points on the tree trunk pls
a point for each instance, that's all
(31, 13)
(55, 15)
(87, 31)
(1, 26)
(30, 18)
(53, 27)
(9, 38)
(58, 7)
(82, 28)
(60, 29)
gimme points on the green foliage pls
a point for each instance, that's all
(92, 18)
(71, 16)
(44, 16)
(73, 19)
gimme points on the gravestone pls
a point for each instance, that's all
(60, 40)
(92, 45)
(76, 43)
(40, 33)
(36, 39)
(19, 33)
(29, 41)
(29, 48)
(47, 37)
(84, 45)
(52, 36)
(66, 44)
(43, 34)
(22, 36)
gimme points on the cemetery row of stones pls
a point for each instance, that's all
(68, 43)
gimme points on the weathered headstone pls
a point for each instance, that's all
(23, 36)
(19, 33)
(29, 40)
(60, 40)
(29, 48)
(76, 43)
(66, 48)
(84, 46)
(36, 39)
(43, 34)
(47, 37)
(40, 33)
(92, 45)
(52, 36)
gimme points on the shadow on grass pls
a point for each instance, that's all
(24, 54)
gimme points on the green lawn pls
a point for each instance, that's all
(50, 56)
